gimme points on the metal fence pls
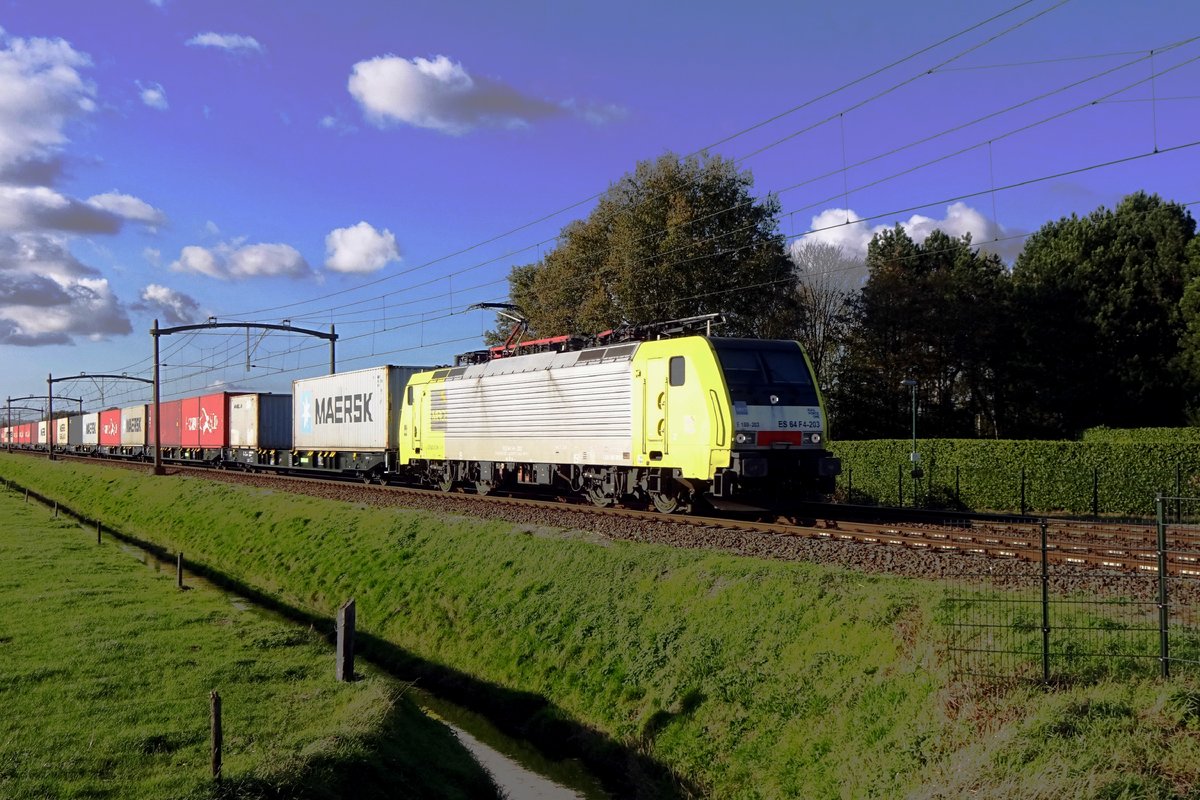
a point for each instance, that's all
(1053, 620)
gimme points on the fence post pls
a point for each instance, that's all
(56, 509)
(215, 719)
(1178, 494)
(1022, 490)
(900, 485)
(1045, 608)
(179, 571)
(1163, 614)
(345, 642)
(97, 531)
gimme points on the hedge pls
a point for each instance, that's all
(1103, 435)
(1089, 477)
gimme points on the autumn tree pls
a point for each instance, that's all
(827, 281)
(674, 238)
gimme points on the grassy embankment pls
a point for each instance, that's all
(107, 669)
(746, 678)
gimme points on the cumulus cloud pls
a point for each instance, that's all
(360, 249)
(229, 42)
(176, 308)
(439, 94)
(41, 91)
(31, 208)
(153, 95)
(846, 229)
(238, 262)
(128, 207)
(48, 297)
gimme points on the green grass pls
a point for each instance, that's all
(741, 677)
(107, 669)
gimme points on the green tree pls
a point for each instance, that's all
(674, 238)
(1102, 301)
(933, 312)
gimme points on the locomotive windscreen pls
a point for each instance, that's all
(755, 369)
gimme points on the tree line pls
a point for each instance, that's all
(1096, 322)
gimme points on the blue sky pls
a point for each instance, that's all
(359, 163)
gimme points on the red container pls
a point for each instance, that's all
(205, 421)
(110, 428)
(171, 432)
(26, 433)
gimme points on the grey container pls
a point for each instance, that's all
(351, 411)
(260, 421)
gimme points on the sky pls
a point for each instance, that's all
(381, 166)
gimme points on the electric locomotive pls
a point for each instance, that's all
(677, 419)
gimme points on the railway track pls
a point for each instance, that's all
(1085, 545)
(1089, 545)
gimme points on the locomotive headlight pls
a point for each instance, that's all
(816, 438)
(744, 437)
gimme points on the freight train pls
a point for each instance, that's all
(676, 423)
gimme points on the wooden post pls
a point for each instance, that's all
(97, 531)
(179, 571)
(345, 642)
(215, 697)
(56, 509)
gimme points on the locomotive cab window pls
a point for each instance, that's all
(676, 370)
(410, 395)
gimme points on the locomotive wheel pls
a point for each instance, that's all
(671, 503)
(445, 484)
(484, 487)
(598, 497)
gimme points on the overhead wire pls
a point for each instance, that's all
(822, 229)
(738, 134)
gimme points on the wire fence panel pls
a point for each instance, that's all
(1131, 608)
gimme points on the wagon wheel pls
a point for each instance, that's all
(597, 497)
(445, 483)
(671, 502)
(484, 487)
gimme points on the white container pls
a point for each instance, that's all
(41, 432)
(133, 426)
(260, 421)
(61, 430)
(351, 411)
(91, 429)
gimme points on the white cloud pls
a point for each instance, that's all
(128, 207)
(239, 262)
(211, 228)
(49, 297)
(176, 308)
(334, 122)
(153, 256)
(41, 91)
(360, 249)
(843, 227)
(153, 95)
(440, 95)
(230, 42)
